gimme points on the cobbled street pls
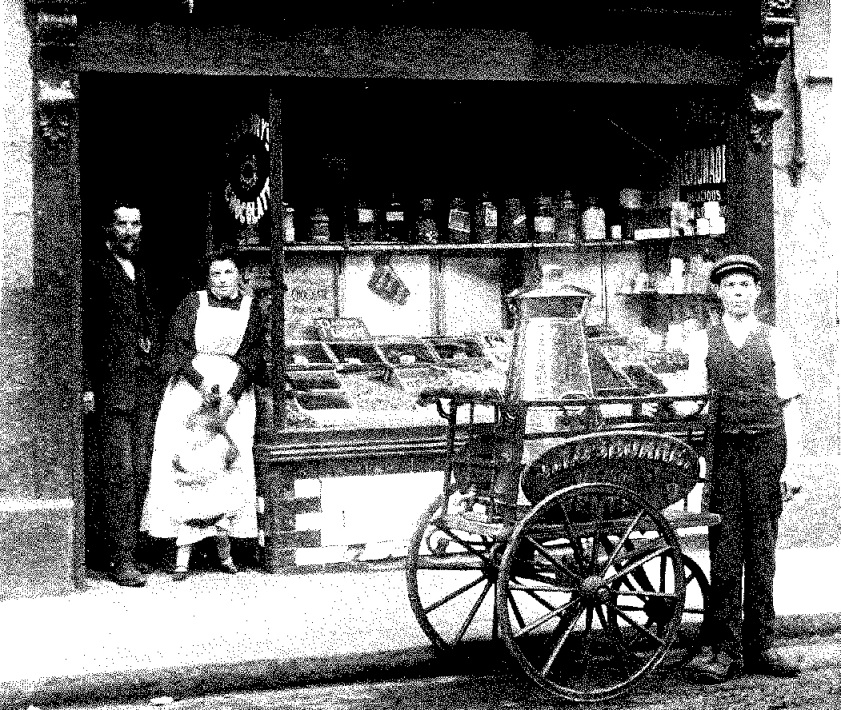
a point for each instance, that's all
(818, 688)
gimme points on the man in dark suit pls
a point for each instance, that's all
(121, 341)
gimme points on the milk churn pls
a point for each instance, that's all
(549, 358)
(548, 362)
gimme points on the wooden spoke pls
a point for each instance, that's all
(464, 543)
(623, 539)
(574, 540)
(634, 623)
(452, 595)
(559, 566)
(469, 619)
(561, 641)
(625, 571)
(546, 617)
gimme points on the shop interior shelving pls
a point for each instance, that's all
(367, 248)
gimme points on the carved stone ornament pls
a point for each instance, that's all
(764, 111)
(56, 102)
(54, 30)
(770, 49)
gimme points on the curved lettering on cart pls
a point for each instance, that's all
(662, 468)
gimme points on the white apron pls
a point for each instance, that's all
(231, 494)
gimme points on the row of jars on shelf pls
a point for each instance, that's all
(550, 219)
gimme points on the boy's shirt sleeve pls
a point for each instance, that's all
(788, 381)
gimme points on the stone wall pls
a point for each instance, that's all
(36, 513)
(807, 251)
(16, 264)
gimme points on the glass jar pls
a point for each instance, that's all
(566, 219)
(513, 225)
(458, 222)
(363, 223)
(544, 220)
(319, 226)
(485, 220)
(593, 226)
(425, 230)
(288, 223)
(395, 222)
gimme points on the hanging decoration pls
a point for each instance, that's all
(247, 171)
(386, 283)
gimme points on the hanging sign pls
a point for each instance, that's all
(247, 172)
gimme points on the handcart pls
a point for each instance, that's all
(556, 527)
(573, 561)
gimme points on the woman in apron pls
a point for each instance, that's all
(212, 358)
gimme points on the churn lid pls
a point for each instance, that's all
(551, 286)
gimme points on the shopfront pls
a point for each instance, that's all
(388, 178)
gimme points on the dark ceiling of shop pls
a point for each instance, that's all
(677, 22)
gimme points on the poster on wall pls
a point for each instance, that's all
(239, 209)
(311, 294)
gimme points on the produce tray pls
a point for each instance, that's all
(459, 352)
(607, 379)
(344, 330)
(406, 350)
(323, 400)
(412, 380)
(645, 380)
(308, 380)
(376, 392)
(355, 354)
(307, 354)
(497, 346)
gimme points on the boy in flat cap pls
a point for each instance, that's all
(754, 399)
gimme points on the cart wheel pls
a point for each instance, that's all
(574, 615)
(657, 612)
(451, 577)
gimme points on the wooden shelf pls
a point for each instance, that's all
(430, 248)
(359, 248)
(666, 296)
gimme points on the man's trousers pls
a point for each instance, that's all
(745, 491)
(126, 440)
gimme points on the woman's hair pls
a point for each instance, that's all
(223, 254)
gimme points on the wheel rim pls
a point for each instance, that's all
(572, 575)
(451, 577)
(691, 635)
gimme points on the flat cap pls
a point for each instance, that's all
(735, 262)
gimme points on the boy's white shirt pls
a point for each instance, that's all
(738, 330)
(789, 386)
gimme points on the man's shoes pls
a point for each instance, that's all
(144, 567)
(127, 575)
(711, 667)
(772, 663)
(228, 566)
(180, 574)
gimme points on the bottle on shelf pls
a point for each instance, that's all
(485, 220)
(319, 226)
(566, 219)
(425, 230)
(395, 229)
(363, 223)
(288, 222)
(513, 227)
(544, 220)
(458, 222)
(593, 225)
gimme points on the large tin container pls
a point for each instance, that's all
(549, 356)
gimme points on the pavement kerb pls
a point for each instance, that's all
(189, 681)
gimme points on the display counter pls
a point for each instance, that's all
(364, 419)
